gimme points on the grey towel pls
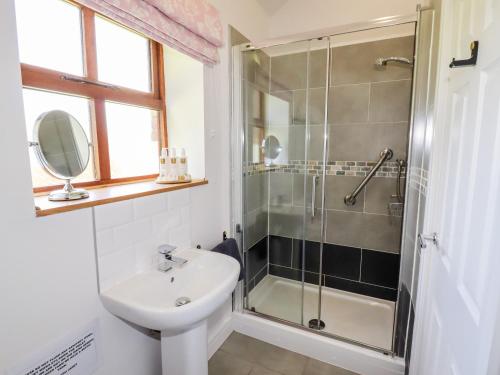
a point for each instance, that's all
(230, 247)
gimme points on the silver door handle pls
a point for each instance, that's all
(313, 197)
(423, 238)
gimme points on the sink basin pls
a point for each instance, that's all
(151, 300)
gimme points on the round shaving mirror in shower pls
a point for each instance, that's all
(271, 147)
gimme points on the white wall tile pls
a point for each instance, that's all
(146, 255)
(113, 214)
(186, 215)
(131, 233)
(166, 221)
(116, 267)
(179, 198)
(105, 242)
(150, 205)
(181, 236)
(128, 233)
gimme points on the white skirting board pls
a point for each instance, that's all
(338, 353)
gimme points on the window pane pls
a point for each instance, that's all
(37, 102)
(49, 35)
(122, 56)
(133, 140)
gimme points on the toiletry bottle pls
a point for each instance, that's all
(174, 165)
(183, 171)
(163, 164)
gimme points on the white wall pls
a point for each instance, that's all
(247, 16)
(303, 17)
(185, 108)
(48, 278)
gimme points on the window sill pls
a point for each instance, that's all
(109, 194)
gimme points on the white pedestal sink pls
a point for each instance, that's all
(149, 300)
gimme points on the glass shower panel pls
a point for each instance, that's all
(368, 112)
(280, 162)
(324, 120)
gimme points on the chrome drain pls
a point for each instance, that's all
(181, 301)
(313, 324)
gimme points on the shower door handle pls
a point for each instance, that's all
(313, 196)
(424, 238)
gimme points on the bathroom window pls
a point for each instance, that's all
(108, 76)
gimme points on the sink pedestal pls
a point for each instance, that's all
(185, 353)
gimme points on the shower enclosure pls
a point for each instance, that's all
(326, 125)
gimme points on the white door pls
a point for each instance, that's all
(460, 286)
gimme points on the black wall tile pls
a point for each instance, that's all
(341, 267)
(311, 278)
(409, 341)
(280, 251)
(256, 258)
(401, 320)
(361, 288)
(260, 276)
(251, 285)
(285, 272)
(380, 268)
(294, 274)
(341, 261)
(297, 253)
(311, 254)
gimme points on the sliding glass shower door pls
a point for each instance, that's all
(327, 120)
(285, 95)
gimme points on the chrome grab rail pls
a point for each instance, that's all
(350, 199)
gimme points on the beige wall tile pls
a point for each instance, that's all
(280, 188)
(344, 228)
(316, 103)
(256, 226)
(365, 142)
(390, 101)
(381, 233)
(368, 231)
(298, 142)
(356, 63)
(256, 191)
(337, 187)
(348, 104)
(378, 194)
(317, 68)
(298, 190)
(289, 72)
(286, 221)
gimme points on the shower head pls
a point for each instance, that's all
(382, 61)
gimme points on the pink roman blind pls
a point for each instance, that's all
(190, 26)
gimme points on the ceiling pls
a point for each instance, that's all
(271, 6)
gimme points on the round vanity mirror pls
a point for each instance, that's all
(62, 147)
(271, 146)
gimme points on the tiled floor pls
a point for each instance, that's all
(243, 355)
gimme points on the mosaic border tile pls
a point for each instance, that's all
(333, 168)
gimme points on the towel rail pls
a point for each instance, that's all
(350, 199)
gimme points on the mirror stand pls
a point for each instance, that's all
(68, 193)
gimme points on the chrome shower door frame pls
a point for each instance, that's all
(238, 138)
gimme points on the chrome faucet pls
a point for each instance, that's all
(167, 259)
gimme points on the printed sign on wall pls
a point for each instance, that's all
(74, 354)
